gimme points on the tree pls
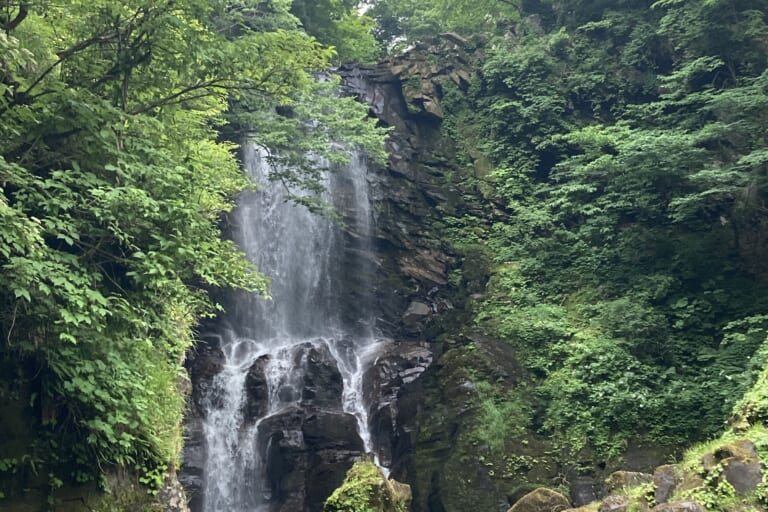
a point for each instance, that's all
(338, 24)
(409, 20)
(115, 182)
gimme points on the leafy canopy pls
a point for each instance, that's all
(115, 181)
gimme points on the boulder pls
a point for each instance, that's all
(619, 480)
(366, 488)
(615, 504)
(582, 490)
(541, 500)
(679, 506)
(307, 454)
(740, 465)
(743, 475)
(665, 481)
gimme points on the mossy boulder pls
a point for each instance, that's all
(541, 500)
(619, 480)
(366, 489)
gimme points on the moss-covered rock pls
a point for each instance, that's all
(541, 500)
(624, 479)
(475, 447)
(366, 489)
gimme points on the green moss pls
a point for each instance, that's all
(366, 489)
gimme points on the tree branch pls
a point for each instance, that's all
(11, 24)
(65, 54)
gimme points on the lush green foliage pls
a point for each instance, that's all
(408, 21)
(629, 149)
(337, 23)
(115, 182)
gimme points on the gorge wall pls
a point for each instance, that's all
(428, 421)
(438, 386)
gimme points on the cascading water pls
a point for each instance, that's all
(268, 345)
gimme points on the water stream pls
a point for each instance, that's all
(309, 259)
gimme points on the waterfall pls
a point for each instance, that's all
(269, 345)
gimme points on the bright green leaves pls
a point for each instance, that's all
(410, 20)
(337, 23)
(115, 184)
(630, 152)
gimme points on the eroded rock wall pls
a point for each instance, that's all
(427, 390)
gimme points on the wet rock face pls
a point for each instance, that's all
(323, 384)
(202, 364)
(308, 456)
(256, 391)
(311, 446)
(392, 389)
(414, 190)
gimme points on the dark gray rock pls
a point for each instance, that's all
(417, 311)
(583, 490)
(323, 384)
(665, 481)
(193, 463)
(256, 391)
(307, 456)
(679, 506)
(203, 363)
(744, 475)
(388, 387)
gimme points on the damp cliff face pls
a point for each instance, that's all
(433, 391)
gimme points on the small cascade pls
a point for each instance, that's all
(302, 354)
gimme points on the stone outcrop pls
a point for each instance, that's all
(625, 479)
(393, 390)
(414, 190)
(307, 457)
(665, 481)
(310, 447)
